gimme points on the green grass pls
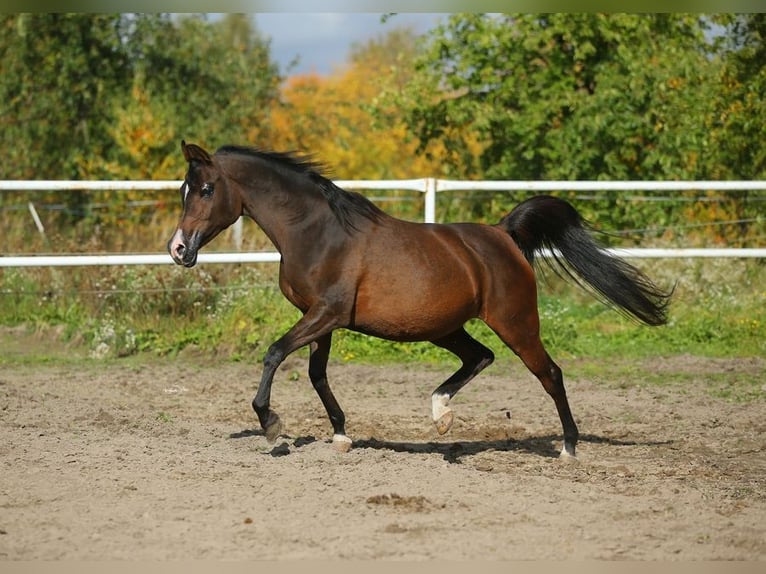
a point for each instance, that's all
(237, 311)
(96, 317)
(733, 382)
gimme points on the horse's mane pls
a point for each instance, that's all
(348, 207)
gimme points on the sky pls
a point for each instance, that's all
(321, 41)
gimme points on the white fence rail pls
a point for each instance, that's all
(428, 186)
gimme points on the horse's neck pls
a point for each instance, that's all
(288, 213)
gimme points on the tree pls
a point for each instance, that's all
(59, 73)
(111, 95)
(737, 127)
(570, 96)
(340, 119)
(84, 95)
(209, 82)
(739, 123)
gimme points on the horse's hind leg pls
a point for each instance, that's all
(523, 337)
(320, 352)
(475, 356)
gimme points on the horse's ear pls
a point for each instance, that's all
(193, 152)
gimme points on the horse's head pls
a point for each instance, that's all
(208, 205)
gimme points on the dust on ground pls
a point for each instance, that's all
(163, 459)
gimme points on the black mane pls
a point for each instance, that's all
(347, 206)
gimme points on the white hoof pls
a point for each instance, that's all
(444, 422)
(341, 443)
(566, 456)
(441, 413)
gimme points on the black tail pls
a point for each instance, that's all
(548, 222)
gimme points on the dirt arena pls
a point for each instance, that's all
(161, 459)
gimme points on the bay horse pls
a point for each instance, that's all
(347, 264)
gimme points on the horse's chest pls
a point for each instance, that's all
(293, 291)
(303, 287)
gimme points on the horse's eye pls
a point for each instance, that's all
(207, 189)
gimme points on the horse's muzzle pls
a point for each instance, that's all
(183, 251)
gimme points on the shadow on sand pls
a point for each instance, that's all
(453, 452)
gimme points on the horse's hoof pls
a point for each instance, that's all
(444, 422)
(274, 429)
(567, 456)
(341, 443)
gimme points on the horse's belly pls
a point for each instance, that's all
(412, 315)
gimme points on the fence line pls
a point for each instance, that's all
(428, 186)
(274, 256)
(596, 185)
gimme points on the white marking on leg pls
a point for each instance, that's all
(439, 406)
(442, 414)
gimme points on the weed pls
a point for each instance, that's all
(164, 417)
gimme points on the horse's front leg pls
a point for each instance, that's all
(317, 322)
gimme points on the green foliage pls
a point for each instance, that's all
(110, 96)
(59, 72)
(602, 96)
(717, 310)
(740, 115)
(202, 81)
(570, 96)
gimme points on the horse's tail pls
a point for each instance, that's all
(545, 222)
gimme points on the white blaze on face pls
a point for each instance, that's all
(185, 190)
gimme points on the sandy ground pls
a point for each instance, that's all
(162, 459)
